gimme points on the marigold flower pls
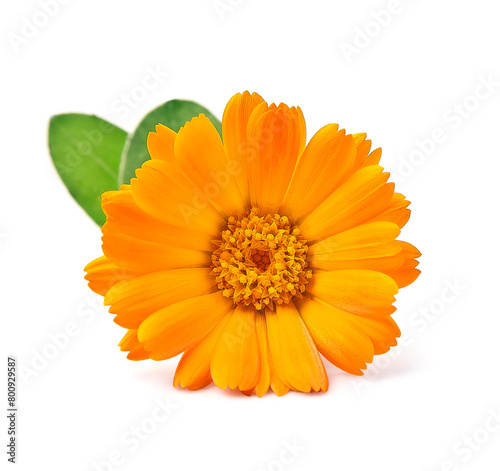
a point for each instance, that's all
(254, 256)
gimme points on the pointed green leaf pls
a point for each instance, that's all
(86, 152)
(173, 114)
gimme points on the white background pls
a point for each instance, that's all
(418, 404)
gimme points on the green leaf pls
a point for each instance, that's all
(173, 114)
(86, 152)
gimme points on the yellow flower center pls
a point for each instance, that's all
(260, 260)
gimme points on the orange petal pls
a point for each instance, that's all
(279, 388)
(383, 264)
(364, 195)
(363, 155)
(200, 154)
(161, 143)
(235, 360)
(363, 292)
(125, 216)
(265, 372)
(406, 273)
(324, 164)
(369, 246)
(144, 256)
(234, 133)
(390, 259)
(277, 136)
(103, 274)
(365, 241)
(408, 250)
(397, 211)
(268, 376)
(135, 300)
(337, 335)
(178, 327)
(162, 191)
(193, 370)
(130, 343)
(295, 358)
(362, 149)
(383, 332)
(359, 138)
(373, 158)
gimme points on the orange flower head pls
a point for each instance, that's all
(254, 255)
(261, 261)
